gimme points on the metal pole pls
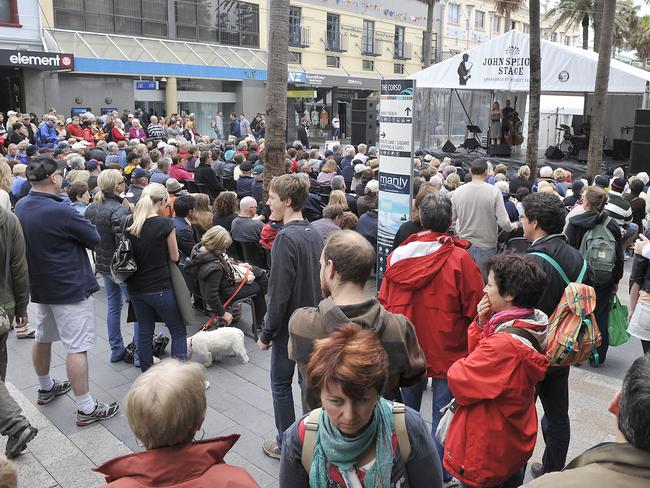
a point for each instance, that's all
(451, 101)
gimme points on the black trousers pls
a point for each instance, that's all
(553, 391)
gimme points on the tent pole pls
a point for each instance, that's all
(451, 100)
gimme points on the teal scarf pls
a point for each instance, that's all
(342, 451)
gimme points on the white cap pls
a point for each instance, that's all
(161, 144)
(372, 186)
(359, 168)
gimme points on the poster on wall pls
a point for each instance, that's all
(395, 164)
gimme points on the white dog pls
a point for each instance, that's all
(206, 346)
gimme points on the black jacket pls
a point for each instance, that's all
(212, 276)
(303, 137)
(578, 227)
(640, 273)
(108, 217)
(516, 183)
(570, 261)
(204, 174)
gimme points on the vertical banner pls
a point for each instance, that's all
(395, 164)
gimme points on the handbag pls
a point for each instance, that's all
(5, 320)
(617, 326)
(238, 272)
(445, 422)
(123, 264)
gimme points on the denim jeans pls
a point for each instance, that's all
(412, 397)
(480, 255)
(115, 293)
(282, 369)
(553, 392)
(163, 304)
(515, 481)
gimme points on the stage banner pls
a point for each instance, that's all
(395, 164)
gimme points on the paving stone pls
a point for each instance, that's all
(253, 418)
(99, 444)
(75, 471)
(215, 423)
(31, 473)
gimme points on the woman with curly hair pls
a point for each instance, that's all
(201, 215)
(225, 209)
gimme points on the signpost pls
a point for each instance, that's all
(395, 164)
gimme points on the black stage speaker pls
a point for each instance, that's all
(471, 144)
(583, 155)
(499, 150)
(554, 152)
(364, 121)
(449, 147)
(621, 148)
(640, 150)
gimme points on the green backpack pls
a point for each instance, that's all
(598, 247)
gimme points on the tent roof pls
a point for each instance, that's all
(503, 64)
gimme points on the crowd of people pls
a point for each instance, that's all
(463, 307)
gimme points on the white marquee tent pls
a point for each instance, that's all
(502, 64)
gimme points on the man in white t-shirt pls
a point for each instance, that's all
(336, 125)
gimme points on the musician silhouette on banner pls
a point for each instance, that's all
(464, 69)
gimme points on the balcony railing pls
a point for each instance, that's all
(402, 50)
(299, 36)
(335, 41)
(370, 46)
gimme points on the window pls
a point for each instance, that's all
(295, 21)
(9, 13)
(134, 17)
(554, 37)
(398, 68)
(368, 37)
(526, 28)
(479, 19)
(496, 24)
(333, 62)
(453, 15)
(295, 57)
(399, 42)
(333, 32)
(368, 65)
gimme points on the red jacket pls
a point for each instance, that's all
(494, 429)
(118, 135)
(438, 292)
(195, 465)
(74, 130)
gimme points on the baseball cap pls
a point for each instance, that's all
(92, 164)
(419, 152)
(139, 173)
(31, 150)
(258, 170)
(40, 168)
(229, 155)
(359, 168)
(328, 152)
(372, 186)
(603, 181)
(161, 144)
(246, 166)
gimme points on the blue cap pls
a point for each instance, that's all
(229, 155)
(139, 173)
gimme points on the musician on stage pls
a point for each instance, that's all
(495, 124)
(464, 69)
(507, 113)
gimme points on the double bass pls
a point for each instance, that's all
(514, 137)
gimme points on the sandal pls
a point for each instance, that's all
(25, 332)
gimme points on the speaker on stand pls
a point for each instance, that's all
(364, 121)
(554, 152)
(640, 149)
(448, 147)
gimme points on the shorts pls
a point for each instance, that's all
(73, 324)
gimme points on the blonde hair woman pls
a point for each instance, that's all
(215, 280)
(165, 408)
(201, 217)
(328, 171)
(107, 209)
(5, 186)
(150, 289)
(337, 197)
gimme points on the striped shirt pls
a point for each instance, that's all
(618, 208)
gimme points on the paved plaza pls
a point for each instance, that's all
(239, 401)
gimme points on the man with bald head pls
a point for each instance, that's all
(247, 226)
(345, 266)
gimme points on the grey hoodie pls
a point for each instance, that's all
(14, 284)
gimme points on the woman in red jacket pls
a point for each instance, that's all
(88, 133)
(165, 408)
(118, 131)
(494, 429)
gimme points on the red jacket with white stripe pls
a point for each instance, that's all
(432, 280)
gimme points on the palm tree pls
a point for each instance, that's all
(425, 118)
(535, 88)
(568, 13)
(639, 38)
(276, 91)
(599, 107)
(507, 8)
(626, 23)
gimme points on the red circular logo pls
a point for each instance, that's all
(66, 60)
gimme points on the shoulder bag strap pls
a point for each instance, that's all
(518, 331)
(555, 264)
(399, 419)
(308, 443)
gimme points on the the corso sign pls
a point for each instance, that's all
(37, 60)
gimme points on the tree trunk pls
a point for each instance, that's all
(599, 107)
(585, 32)
(508, 25)
(425, 117)
(597, 20)
(276, 92)
(535, 88)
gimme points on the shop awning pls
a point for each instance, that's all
(120, 54)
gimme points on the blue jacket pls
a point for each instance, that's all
(235, 128)
(245, 186)
(47, 136)
(57, 237)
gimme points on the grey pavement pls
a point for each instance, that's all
(239, 401)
